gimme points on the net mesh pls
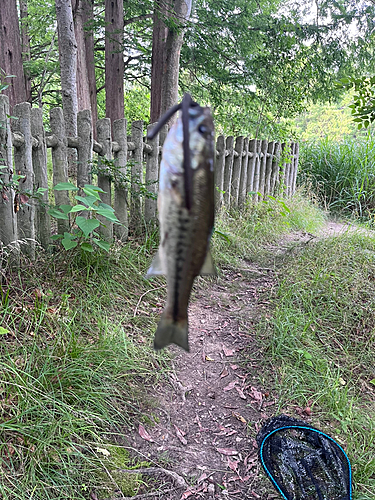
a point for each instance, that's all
(302, 462)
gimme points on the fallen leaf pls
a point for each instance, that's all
(224, 373)
(230, 386)
(234, 367)
(233, 464)
(239, 417)
(180, 434)
(228, 352)
(240, 392)
(255, 394)
(103, 451)
(207, 358)
(144, 434)
(227, 451)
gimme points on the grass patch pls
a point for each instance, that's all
(320, 343)
(75, 355)
(246, 234)
(342, 174)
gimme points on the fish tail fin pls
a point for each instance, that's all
(171, 332)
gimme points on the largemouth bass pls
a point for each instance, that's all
(186, 216)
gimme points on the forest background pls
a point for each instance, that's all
(258, 64)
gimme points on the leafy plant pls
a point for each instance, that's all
(363, 107)
(82, 228)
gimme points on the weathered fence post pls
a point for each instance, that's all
(152, 173)
(258, 145)
(59, 144)
(121, 191)
(136, 173)
(8, 220)
(275, 169)
(84, 148)
(228, 169)
(288, 169)
(39, 156)
(24, 166)
(267, 180)
(103, 128)
(236, 174)
(295, 166)
(219, 170)
(263, 163)
(252, 155)
(243, 179)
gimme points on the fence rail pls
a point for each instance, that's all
(242, 166)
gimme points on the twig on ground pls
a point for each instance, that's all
(177, 479)
(141, 297)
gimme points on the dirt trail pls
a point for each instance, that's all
(208, 415)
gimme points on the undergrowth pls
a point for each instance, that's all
(320, 342)
(342, 174)
(245, 234)
(75, 357)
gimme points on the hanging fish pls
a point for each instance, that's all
(186, 214)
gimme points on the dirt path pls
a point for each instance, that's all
(207, 417)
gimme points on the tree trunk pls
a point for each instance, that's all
(11, 52)
(179, 13)
(114, 59)
(88, 16)
(166, 48)
(159, 36)
(83, 91)
(25, 42)
(68, 71)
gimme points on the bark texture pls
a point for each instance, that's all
(83, 89)
(11, 52)
(68, 70)
(114, 59)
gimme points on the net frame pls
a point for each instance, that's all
(286, 422)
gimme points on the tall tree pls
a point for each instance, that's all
(114, 59)
(11, 52)
(25, 44)
(170, 17)
(68, 69)
(83, 89)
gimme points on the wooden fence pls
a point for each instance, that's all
(242, 166)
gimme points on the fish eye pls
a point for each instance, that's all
(202, 129)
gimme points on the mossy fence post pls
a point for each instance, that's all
(8, 225)
(228, 166)
(236, 172)
(136, 173)
(39, 164)
(21, 126)
(103, 131)
(120, 153)
(152, 175)
(242, 195)
(219, 170)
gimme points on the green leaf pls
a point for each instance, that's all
(87, 225)
(65, 186)
(108, 214)
(54, 212)
(78, 208)
(57, 237)
(102, 244)
(93, 188)
(372, 381)
(3, 331)
(91, 192)
(87, 200)
(87, 247)
(68, 244)
(107, 207)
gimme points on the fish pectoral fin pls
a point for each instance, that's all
(156, 268)
(208, 267)
(171, 332)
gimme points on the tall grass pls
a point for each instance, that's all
(320, 342)
(342, 174)
(74, 359)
